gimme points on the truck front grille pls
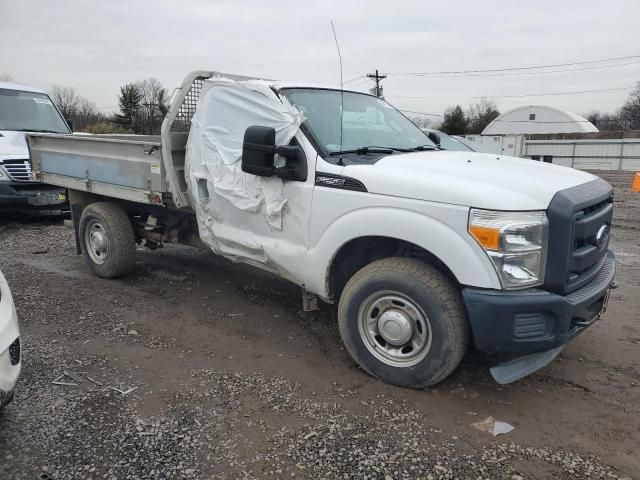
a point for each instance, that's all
(18, 170)
(587, 256)
(576, 215)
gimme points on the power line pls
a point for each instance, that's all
(565, 93)
(359, 77)
(520, 74)
(525, 95)
(507, 69)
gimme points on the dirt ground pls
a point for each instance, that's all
(193, 367)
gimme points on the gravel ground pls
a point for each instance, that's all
(196, 368)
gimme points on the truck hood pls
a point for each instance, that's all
(13, 145)
(480, 180)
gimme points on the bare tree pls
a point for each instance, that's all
(481, 114)
(86, 114)
(81, 111)
(66, 99)
(604, 121)
(626, 118)
(153, 105)
(422, 122)
(629, 114)
(5, 77)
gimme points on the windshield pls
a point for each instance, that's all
(367, 121)
(29, 112)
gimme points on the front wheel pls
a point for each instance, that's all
(403, 322)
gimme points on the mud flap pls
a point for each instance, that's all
(521, 367)
(309, 301)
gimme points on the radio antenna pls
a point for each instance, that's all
(341, 90)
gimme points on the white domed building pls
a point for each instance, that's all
(538, 119)
(552, 135)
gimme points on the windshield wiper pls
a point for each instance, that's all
(422, 148)
(373, 149)
(35, 130)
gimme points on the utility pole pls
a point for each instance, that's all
(377, 77)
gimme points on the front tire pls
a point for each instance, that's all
(107, 240)
(403, 322)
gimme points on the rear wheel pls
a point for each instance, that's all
(404, 322)
(107, 240)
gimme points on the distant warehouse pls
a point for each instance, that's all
(553, 135)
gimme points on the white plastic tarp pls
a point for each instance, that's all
(217, 186)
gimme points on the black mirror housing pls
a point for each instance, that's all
(258, 151)
(258, 155)
(434, 137)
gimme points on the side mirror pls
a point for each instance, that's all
(259, 152)
(434, 137)
(70, 123)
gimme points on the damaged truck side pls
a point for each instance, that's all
(425, 252)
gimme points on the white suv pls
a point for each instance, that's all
(9, 344)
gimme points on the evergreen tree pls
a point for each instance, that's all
(455, 122)
(129, 101)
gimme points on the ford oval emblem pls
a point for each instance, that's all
(602, 237)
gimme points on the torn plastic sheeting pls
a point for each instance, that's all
(225, 110)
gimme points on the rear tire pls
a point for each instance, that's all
(107, 240)
(403, 322)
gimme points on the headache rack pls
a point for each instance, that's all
(175, 130)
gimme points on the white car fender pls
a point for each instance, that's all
(448, 241)
(8, 333)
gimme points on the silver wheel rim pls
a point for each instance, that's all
(96, 242)
(394, 329)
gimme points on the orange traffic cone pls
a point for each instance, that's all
(635, 185)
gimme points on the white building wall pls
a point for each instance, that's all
(596, 154)
(499, 144)
(588, 154)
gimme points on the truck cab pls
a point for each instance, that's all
(25, 109)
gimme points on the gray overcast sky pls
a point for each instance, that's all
(96, 46)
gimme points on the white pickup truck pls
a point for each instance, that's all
(426, 252)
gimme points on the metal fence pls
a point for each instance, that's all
(587, 154)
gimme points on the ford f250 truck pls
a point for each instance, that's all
(25, 109)
(425, 252)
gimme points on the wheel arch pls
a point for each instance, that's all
(369, 234)
(360, 251)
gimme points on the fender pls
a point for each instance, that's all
(461, 254)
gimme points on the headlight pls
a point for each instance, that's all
(516, 243)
